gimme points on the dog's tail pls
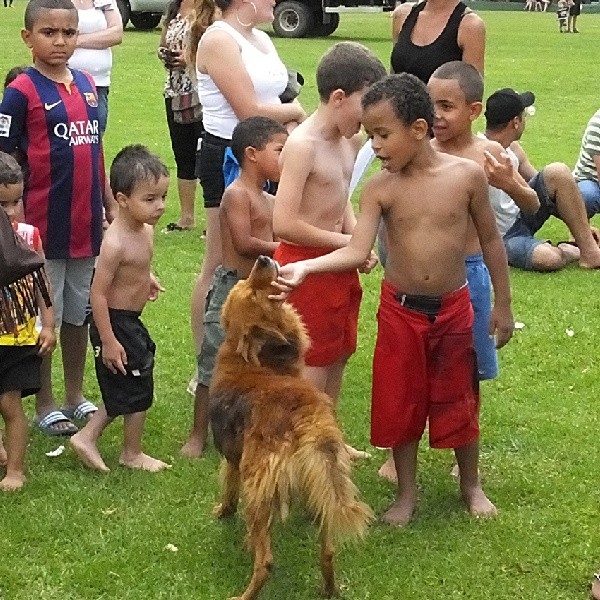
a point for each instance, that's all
(323, 471)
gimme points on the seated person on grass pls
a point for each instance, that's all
(588, 164)
(555, 187)
(246, 217)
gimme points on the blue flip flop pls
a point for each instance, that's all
(81, 412)
(47, 424)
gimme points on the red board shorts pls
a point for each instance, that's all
(424, 368)
(328, 304)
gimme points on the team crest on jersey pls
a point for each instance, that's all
(5, 121)
(91, 99)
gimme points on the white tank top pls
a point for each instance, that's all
(505, 208)
(267, 72)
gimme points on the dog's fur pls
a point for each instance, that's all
(277, 432)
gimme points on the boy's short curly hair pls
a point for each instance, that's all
(255, 132)
(469, 79)
(407, 95)
(347, 66)
(35, 7)
(10, 171)
(133, 165)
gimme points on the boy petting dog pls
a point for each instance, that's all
(425, 317)
(123, 283)
(313, 215)
(246, 217)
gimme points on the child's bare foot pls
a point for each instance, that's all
(596, 588)
(478, 503)
(400, 513)
(388, 470)
(12, 482)
(356, 454)
(143, 461)
(3, 456)
(194, 447)
(88, 453)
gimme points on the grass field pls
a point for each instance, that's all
(75, 535)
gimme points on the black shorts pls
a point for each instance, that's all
(134, 392)
(20, 369)
(209, 168)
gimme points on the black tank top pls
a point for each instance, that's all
(422, 61)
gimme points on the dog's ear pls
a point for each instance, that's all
(252, 341)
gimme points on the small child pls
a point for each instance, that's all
(246, 218)
(21, 346)
(313, 214)
(562, 14)
(123, 283)
(424, 361)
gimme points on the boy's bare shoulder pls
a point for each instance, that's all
(460, 167)
(234, 194)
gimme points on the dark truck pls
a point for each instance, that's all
(302, 18)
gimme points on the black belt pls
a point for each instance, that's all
(429, 306)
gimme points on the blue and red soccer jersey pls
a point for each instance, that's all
(56, 127)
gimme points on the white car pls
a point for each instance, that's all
(143, 14)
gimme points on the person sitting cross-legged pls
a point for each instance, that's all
(555, 187)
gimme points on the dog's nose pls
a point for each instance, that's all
(263, 261)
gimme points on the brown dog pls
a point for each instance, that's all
(277, 432)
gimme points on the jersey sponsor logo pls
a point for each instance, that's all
(5, 121)
(51, 106)
(78, 133)
(91, 99)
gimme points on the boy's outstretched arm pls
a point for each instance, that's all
(352, 256)
(113, 354)
(297, 159)
(494, 254)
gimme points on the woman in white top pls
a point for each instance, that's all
(100, 28)
(240, 75)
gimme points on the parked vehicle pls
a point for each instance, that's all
(302, 18)
(143, 14)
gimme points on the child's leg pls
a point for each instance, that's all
(2, 452)
(470, 486)
(11, 408)
(596, 587)
(85, 441)
(73, 347)
(194, 446)
(401, 511)
(329, 380)
(388, 469)
(132, 455)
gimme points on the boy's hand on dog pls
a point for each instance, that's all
(114, 357)
(290, 276)
(369, 264)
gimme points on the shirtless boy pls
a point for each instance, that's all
(123, 283)
(313, 215)
(425, 316)
(246, 217)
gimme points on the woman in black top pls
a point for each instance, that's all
(431, 33)
(574, 12)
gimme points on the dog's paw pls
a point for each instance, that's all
(221, 511)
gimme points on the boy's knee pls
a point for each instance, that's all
(547, 258)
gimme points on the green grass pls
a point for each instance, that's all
(75, 535)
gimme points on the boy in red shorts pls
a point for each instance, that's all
(313, 216)
(424, 364)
